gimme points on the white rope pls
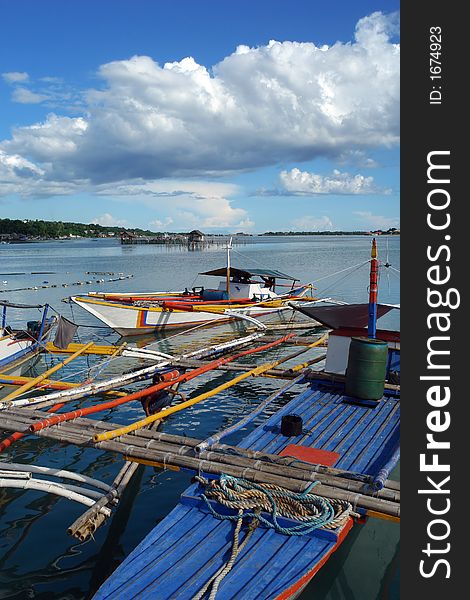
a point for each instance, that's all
(342, 271)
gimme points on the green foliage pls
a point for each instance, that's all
(391, 231)
(57, 229)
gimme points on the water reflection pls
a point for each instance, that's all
(38, 558)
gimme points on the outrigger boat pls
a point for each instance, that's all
(18, 346)
(200, 551)
(239, 293)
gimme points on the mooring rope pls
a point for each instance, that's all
(311, 510)
(216, 580)
(250, 499)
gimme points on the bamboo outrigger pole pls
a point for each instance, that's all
(109, 435)
(33, 382)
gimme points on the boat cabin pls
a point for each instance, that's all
(243, 285)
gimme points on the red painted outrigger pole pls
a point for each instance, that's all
(373, 287)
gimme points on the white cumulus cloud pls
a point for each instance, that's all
(186, 204)
(297, 182)
(107, 220)
(357, 158)
(15, 77)
(309, 223)
(282, 102)
(161, 223)
(377, 221)
(25, 96)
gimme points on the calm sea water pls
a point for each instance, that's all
(37, 557)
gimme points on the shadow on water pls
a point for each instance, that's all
(350, 564)
(330, 581)
(111, 553)
(390, 586)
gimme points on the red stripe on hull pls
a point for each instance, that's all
(294, 590)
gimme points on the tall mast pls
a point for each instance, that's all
(374, 269)
(229, 246)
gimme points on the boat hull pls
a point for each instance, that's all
(130, 320)
(11, 348)
(14, 354)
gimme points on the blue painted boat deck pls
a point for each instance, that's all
(364, 437)
(188, 547)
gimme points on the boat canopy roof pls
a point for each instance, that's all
(344, 315)
(14, 305)
(247, 273)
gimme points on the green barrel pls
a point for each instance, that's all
(367, 365)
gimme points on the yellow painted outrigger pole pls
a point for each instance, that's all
(33, 382)
(109, 435)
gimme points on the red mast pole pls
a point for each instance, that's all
(373, 288)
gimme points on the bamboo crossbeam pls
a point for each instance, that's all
(45, 375)
(253, 474)
(183, 456)
(146, 438)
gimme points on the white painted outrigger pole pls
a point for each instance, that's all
(243, 317)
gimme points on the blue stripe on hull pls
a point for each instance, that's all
(21, 353)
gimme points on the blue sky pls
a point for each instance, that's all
(221, 116)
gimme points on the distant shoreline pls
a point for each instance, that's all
(18, 231)
(32, 240)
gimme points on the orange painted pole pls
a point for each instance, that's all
(151, 389)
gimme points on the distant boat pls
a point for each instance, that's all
(18, 346)
(241, 291)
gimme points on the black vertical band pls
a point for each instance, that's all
(434, 253)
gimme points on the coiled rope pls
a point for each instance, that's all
(250, 499)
